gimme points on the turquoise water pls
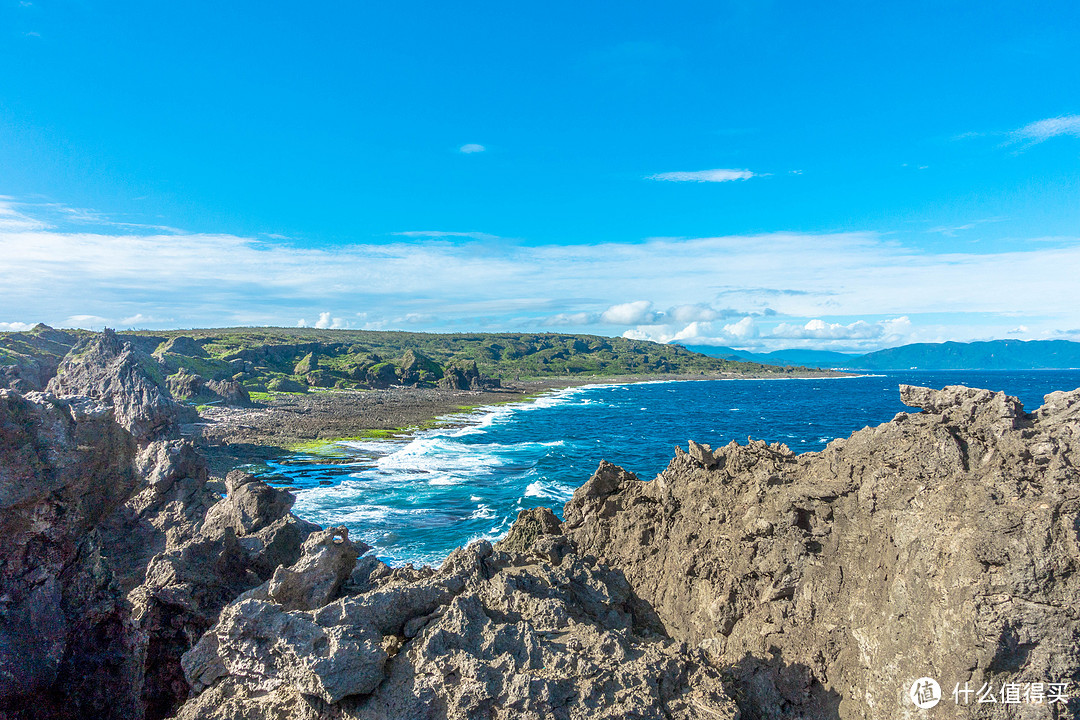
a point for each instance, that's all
(416, 498)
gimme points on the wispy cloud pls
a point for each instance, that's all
(446, 234)
(1033, 133)
(954, 230)
(1043, 130)
(701, 176)
(14, 326)
(748, 333)
(138, 320)
(470, 148)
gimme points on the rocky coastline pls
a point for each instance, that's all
(742, 582)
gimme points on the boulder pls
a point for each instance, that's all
(488, 635)
(231, 392)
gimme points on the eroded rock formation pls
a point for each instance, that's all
(490, 635)
(119, 553)
(945, 544)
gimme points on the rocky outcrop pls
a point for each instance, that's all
(490, 635)
(466, 376)
(119, 553)
(943, 544)
(64, 467)
(419, 369)
(29, 360)
(188, 386)
(106, 368)
(183, 345)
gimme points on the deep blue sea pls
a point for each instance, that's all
(416, 498)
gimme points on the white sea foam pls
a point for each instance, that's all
(550, 490)
(482, 512)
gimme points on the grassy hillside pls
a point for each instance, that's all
(295, 359)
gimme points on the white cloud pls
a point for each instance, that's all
(719, 175)
(89, 322)
(138, 319)
(896, 327)
(14, 326)
(820, 330)
(1041, 130)
(325, 321)
(631, 313)
(744, 329)
(691, 313)
(697, 332)
(470, 148)
(748, 334)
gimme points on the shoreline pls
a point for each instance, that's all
(232, 437)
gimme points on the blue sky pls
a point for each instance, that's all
(755, 174)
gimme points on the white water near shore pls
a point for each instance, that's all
(415, 498)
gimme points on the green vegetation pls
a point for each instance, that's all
(264, 360)
(327, 446)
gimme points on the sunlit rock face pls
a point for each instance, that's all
(942, 544)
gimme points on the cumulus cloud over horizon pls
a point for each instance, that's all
(798, 288)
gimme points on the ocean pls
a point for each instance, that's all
(416, 498)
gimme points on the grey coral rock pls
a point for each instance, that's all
(944, 543)
(111, 370)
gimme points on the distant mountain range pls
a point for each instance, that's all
(990, 355)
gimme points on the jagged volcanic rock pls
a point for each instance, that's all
(106, 368)
(490, 635)
(942, 544)
(118, 555)
(64, 466)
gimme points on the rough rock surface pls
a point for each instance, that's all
(64, 466)
(490, 635)
(945, 544)
(465, 376)
(106, 368)
(118, 553)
